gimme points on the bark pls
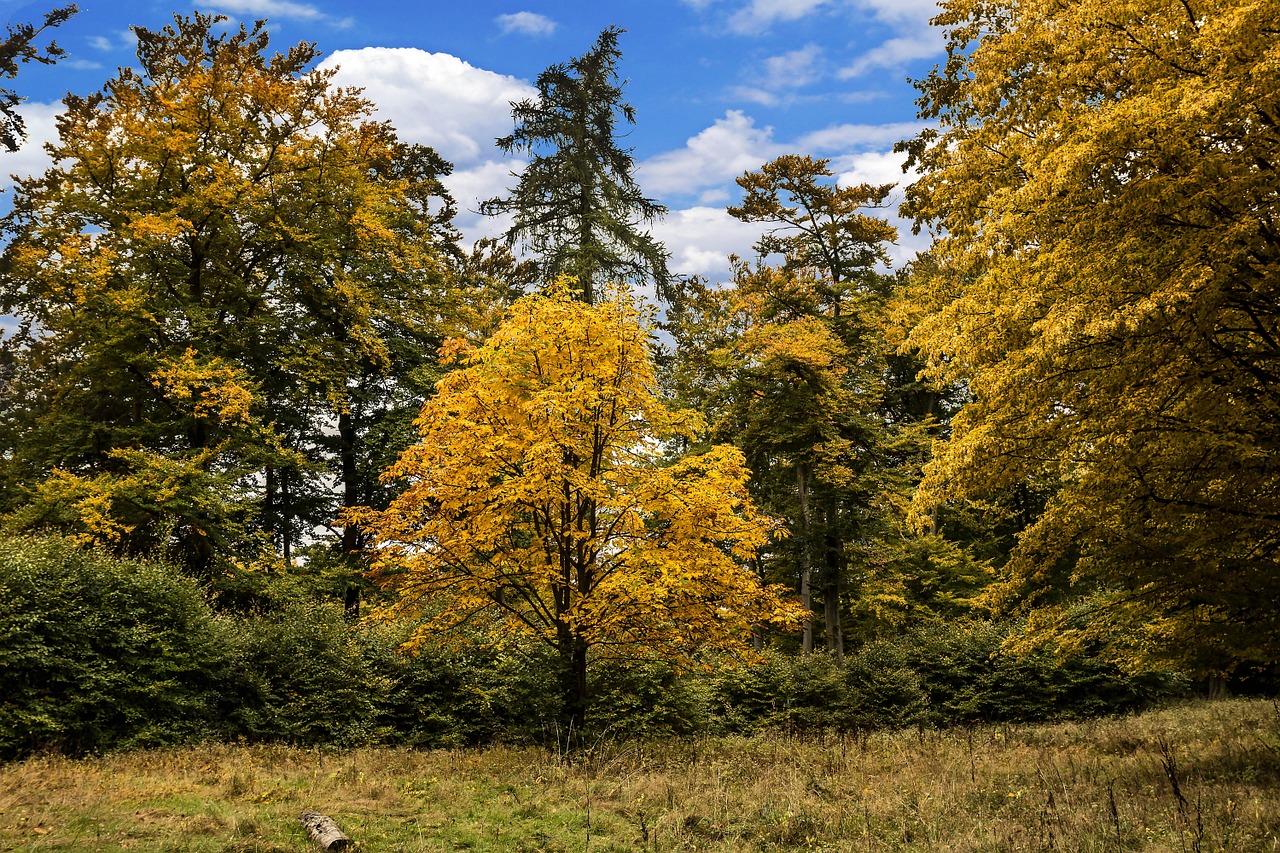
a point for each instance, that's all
(806, 556)
(831, 615)
(347, 438)
(324, 832)
(573, 684)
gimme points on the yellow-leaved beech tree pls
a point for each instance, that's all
(1104, 175)
(541, 500)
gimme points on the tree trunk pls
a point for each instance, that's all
(347, 439)
(324, 832)
(806, 556)
(573, 685)
(831, 615)
(831, 588)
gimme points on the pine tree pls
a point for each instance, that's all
(577, 205)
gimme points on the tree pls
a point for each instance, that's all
(228, 278)
(577, 205)
(17, 47)
(539, 499)
(1104, 180)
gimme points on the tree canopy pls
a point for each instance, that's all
(540, 498)
(577, 205)
(228, 257)
(1103, 180)
(18, 46)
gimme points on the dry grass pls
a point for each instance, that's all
(1199, 777)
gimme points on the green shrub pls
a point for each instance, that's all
(302, 676)
(644, 699)
(98, 652)
(447, 697)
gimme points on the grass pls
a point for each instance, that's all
(1197, 777)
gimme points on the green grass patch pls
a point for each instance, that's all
(1192, 777)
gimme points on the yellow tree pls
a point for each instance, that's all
(541, 500)
(221, 222)
(1108, 286)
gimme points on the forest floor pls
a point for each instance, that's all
(1196, 777)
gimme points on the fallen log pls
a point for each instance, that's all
(324, 832)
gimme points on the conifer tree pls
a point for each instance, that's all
(577, 205)
(18, 46)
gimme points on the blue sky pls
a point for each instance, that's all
(719, 86)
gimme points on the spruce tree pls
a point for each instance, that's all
(577, 205)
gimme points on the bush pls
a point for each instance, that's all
(98, 652)
(445, 698)
(644, 699)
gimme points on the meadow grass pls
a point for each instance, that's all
(1196, 777)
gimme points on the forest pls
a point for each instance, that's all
(282, 461)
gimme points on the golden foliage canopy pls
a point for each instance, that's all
(1103, 175)
(541, 497)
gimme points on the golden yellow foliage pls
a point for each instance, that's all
(540, 496)
(1108, 288)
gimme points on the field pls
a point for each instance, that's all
(1196, 777)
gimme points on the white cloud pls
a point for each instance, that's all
(526, 23)
(901, 12)
(843, 137)
(701, 239)
(755, 95)
(491, 179)
(758, 15)
(31, 158)
(271, 9)
(895, 53)
(83, 64)
(871, 167)
(123, 39)
(718, 154)
(793, 69)
(885, 167)
(434, 98)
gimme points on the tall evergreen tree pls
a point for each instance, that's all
(577, 205)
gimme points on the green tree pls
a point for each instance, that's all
(17, 47)
(796, 364)
(1104, 176)
(577, 205)
(228, 259)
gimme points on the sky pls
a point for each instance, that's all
(719, 87)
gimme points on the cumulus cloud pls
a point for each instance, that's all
(783, 73)
(895, 53)
(31, 158)
(700, 240)
(885, 167)
(439, 100)
(123, 39)
(434, 98)
(846, 137)
(793, 69)
(526, 23)
(491, 179)
(720, 153)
